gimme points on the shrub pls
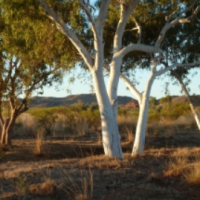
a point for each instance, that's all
(153, 116)
(122, 111)
(193, 175)
(46, 119)
(176, 111)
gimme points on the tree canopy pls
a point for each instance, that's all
(33, 54)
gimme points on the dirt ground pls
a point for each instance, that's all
(79, 170)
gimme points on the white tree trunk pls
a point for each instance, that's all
(194, 112)
(110, 133)
(113, 83)
(138, 146)
(107, 101)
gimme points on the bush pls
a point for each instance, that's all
(46, 118)
(77, 118)
(153, 116)
(122, 111)
(176, 111)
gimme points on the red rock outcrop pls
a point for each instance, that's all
(132, 105)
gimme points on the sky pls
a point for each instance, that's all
(158, 88)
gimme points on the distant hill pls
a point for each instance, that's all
(71, 99)
(183, 99)
(123, 101)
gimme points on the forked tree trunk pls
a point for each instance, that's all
(110, 133)
(138, 146)
(7, 130)
(4, 132)
(7, 133)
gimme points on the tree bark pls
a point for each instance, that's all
(138, 146)
(7, 130)
(4, 130)
(110, 133)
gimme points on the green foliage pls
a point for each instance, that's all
(166, 99)
(122, 111)
(32, 47)
(73, 117)
(135, 112)
(153, 116)
(21, 185)
(46, 119)
(33, 54)
(153, 102)
(175, 111)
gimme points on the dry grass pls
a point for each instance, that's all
(43, 189)
(81, 128)
(186, 164)
(130, 135)
(175, 166)
(79, 170)
(99, 176)
(193, 175)
(38, 141)
(127, 127)
(21, 186)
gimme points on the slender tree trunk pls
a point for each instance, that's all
(113, 83)
(110, 133)
(8, 126)
(138, 146)
(4, 131)
(194, 112)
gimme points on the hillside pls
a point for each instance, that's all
(183, 99)
(91, 98)
(71, 99)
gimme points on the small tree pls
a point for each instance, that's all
(28, 62)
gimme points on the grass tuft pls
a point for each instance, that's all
(38, 142)
(193, 175)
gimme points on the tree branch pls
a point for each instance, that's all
(102, 14)
(139, 28)
(128, 84)
(131, 87)
(67, 32)
(162, 71)
(176, 21)
(138, 47)
(1, 117)
(87, 11)
(125, 13)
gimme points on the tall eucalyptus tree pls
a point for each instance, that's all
(95, 57)
(164, 24)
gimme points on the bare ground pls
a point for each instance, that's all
(79, 170)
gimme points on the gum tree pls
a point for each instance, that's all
(107, 99)
(172, 33)
(30, 59)
(95, 60)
